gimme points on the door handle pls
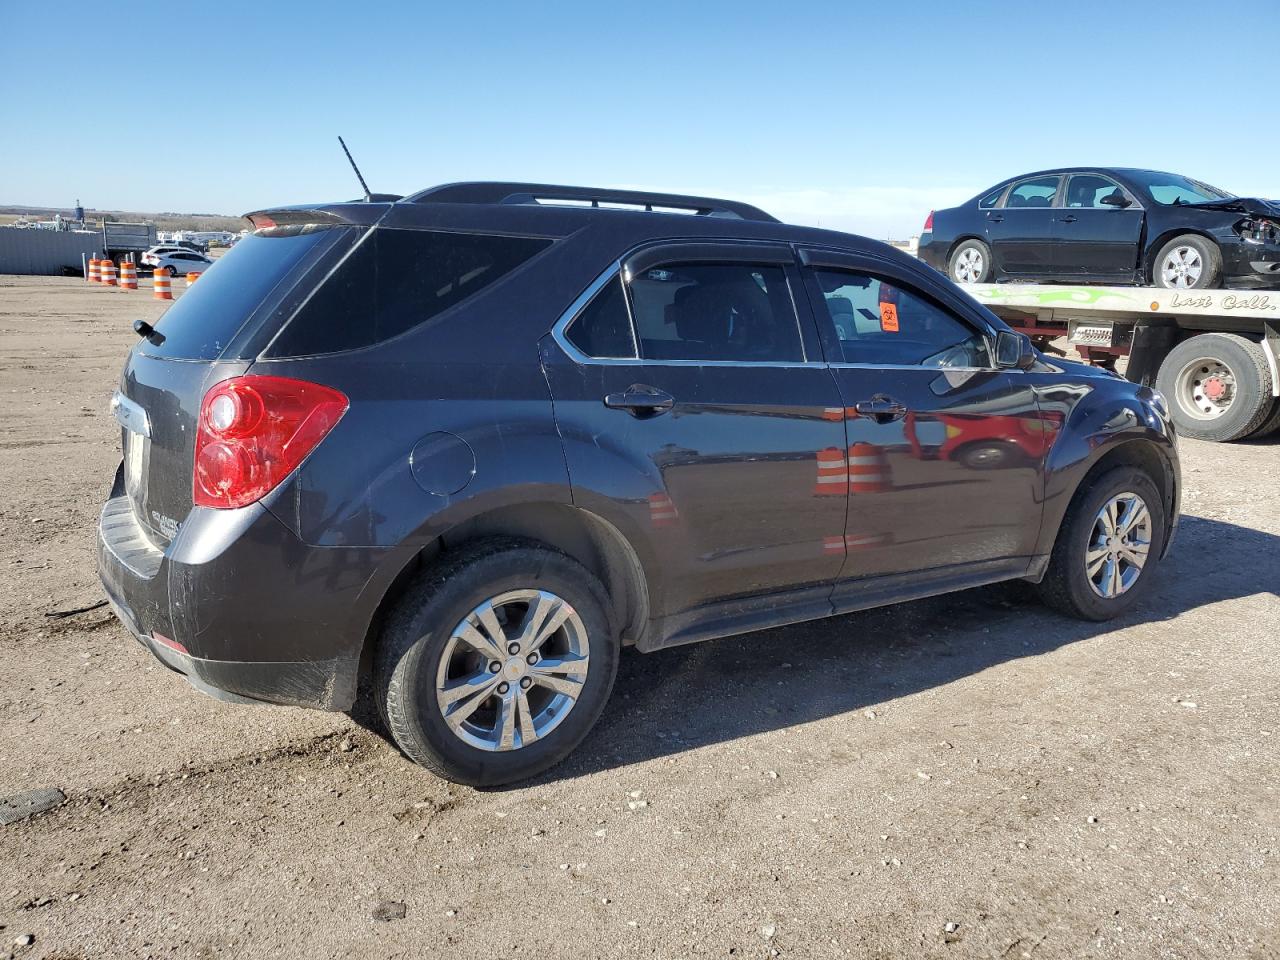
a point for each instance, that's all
(1068, 219)
(881, 409)
(640, 400)
(995, 218)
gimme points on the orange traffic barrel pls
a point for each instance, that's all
(108, 269)
(192, 278)
(128, 276)
(833, 474)
(160, 286)
(868, 469)
(95, 272)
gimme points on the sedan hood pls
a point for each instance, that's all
(1253, 206)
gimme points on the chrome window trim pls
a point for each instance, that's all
(559, 330)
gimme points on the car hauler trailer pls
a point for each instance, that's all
(1212, 353)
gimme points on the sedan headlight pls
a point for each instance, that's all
(1258, 230)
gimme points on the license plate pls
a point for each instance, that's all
(1095, 334)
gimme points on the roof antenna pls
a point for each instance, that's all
(367, 195)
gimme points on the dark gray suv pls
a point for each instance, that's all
(471, 442)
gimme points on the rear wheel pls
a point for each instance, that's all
(1270, 425)
(1109, 543)
(496, 663)
(970, 262)
(1218, 386)
(1188, 262)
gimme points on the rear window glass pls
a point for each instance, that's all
(396, 280)
(603, 329)
(205, 318)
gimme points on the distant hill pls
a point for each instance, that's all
(163, 221)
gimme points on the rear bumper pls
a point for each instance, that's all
(242, 607)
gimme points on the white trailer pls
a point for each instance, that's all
(1212, 353)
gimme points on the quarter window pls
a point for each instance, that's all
(603, 328)
(1034, 193)
(991, 199)
(881, 323)
(715, 311)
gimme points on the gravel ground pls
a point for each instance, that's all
(969, 776)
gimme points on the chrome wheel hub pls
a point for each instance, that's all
(1182, 268)
(512, 670)
(1119, 545)
(1205, 388)
(969, 265)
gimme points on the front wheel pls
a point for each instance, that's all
(497, 662)
(1107, 548)
(1189, 262)
(970, 262)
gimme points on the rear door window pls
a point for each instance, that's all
(715, 311)
(1034, 193)
(396, 280)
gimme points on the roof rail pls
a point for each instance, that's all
(518, 193)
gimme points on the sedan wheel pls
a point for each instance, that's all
(1182, 268)
(970, 266)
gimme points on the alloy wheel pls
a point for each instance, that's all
(1182, 267)
(512, 670)
(969, 265)
(1119, 545)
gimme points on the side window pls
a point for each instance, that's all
(1088, 189)
(397, 280)
(1034, 193)
(991, 199)
(880, 322)
(603, 328)
(715, 311)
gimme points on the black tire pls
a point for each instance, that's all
(1066, 586)
(955, 260)
(1270, 425)
(1210, 258)
(418, 630)
(172, 271)
(1251, 400)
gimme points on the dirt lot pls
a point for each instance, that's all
(842, 788)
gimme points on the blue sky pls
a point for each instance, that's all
(858, 116)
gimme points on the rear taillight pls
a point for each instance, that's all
(928, 223)
(254, 431)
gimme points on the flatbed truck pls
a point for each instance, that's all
(1212, 353)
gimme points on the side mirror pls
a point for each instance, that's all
(1014, 350)
(1116, 199)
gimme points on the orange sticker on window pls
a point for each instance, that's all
(888, 317)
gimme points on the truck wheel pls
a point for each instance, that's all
(1188, 262)
(496, 662)
(970, 263)
(1270, 425)
(1218, 386)
(1107, 548)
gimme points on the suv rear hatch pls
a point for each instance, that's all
(213, 332)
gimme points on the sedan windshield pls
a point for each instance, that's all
(1170, 189)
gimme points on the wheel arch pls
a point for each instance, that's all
(1155, 246)
(585, 536)
(1152, 453)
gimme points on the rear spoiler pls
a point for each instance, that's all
(360, 213)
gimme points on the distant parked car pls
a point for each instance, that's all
(1107, 225)
(182, 261)
(153, 254)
